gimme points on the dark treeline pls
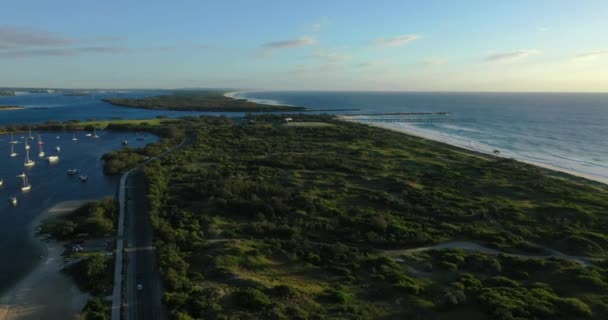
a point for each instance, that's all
(197, 101)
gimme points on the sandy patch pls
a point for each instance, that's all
(45, 293)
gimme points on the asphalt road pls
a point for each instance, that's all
(141, 256)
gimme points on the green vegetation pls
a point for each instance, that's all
(96, 309)
(264, 221)
(197, 101)
(7, 93)
(119, 161)
(93, 271)
(93, 274)
(146, 124)
(95, 219)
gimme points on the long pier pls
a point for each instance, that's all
(416, 120)
(400, 114)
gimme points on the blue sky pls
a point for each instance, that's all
(328, 45)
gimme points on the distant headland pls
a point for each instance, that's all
(6, 108)
(198, 101)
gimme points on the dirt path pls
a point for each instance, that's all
(475, 247)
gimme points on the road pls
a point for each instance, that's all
(143, 219)
(141, 257)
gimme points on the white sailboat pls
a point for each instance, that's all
(13, 201)
(40, 147)
(28, 162)
(1, 182)
(13, 153)
(53, 159)
(58, 148)
(13, 141)
(74, 137)
(30, 134)
(95, 133)
(26, 184)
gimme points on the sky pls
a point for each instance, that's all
(466, 45)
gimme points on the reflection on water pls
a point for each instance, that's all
(50, 185)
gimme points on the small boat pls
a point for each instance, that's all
(72, 172)
(84, 178)
(95, 133)
(13, 201)
(74, 137)
(1, 182)
(53, 159)
(57, 137)
(13, 141)
(125, 142)
(13, 153)
(88, 135)
(30, 134)
(28, 162)
(26, 185)
(58, 148)
(40, 147)
(27, 146)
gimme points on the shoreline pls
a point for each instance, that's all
(45, 292)
(422, 135)
(234, 95)
(418, 134)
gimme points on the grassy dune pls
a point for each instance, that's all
(268, 221)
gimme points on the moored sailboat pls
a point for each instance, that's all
(28, 162)
(40, 147)
(26, 184)
(13, 153)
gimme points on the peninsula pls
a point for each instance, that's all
(6, 108)
(329, 219)
(198, 101)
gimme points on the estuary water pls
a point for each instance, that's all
(49, 185)
(564, 131)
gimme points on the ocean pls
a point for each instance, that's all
(563, 131)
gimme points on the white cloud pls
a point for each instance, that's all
(434, 61)
(19, 38)
(315, 27)
(591, 55)
(59, 52)
(511, 56)
(291, 43)
(396, 41)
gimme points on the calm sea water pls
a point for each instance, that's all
(41, 107)
(566, 131)
(50, 185)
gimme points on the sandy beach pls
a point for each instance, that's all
(45, 293)
(421, 134)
